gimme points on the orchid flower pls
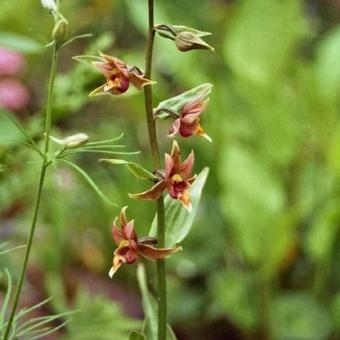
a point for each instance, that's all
(118, 76)
(130, 247)
(176, 179)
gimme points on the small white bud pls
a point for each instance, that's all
(72, 142)
(50, 5)
(75, 141)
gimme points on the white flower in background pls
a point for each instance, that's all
(50, 5)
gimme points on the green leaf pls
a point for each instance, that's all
(136, 169)
(150, 309)
(176, 103)
(170, 31)
(87, 58)
(298, 316)
(233, 296)
(135, 335)
(179, 221)
(180, 29)
(19, 43)
(7, 131)
(263, 37)
(89, 181)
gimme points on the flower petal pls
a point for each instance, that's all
(140, 80)
(99, 91)
(200, 132)
(122, 216)
(174, 128)
(128, 230)
(152, 194)
(185, 199)
(152, 253)
(117, 234)
(196, 107)
(175, 153)
(169, 165)
(185, 169)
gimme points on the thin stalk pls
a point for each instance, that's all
(161, 272)
(44, 166)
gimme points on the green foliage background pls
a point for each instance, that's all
(262, 260)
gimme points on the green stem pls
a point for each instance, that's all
(44, 166)
(161, 271)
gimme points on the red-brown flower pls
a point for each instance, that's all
(118, 76)
(187, 124)
(130, 247)
(176, 179)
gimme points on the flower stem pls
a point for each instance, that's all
(43, 169)
(161, 272)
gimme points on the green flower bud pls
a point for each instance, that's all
(72, 142)
(59, 33)
(75, 141)
(186, 41)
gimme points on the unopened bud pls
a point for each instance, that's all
(72, 142)
(59, 33)
(75, 141)
(50, 5)
(186, 41)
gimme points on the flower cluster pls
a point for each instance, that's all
(177, 176)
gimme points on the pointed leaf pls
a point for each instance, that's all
(87, 58)
(135, 335)
(19, 43)
(179, 221)
(136, 169)
(175, 104)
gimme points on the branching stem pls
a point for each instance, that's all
(43, 169)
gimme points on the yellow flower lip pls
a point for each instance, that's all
(177, 178)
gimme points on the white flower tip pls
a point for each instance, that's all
(112, 272)
(188, 207)
(207, 137)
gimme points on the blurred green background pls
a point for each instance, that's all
(262, 260)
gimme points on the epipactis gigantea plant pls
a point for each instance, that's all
(176, 178)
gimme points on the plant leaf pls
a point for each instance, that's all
(135, 335)
(89, 181)
(136, 169)
(150, 309)
(19, 43)
(176, 103)
(179, 221)
(87, 58)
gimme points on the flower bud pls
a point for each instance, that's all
(50, 5)
(59, 33)
(186, 41)
(75, 141)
